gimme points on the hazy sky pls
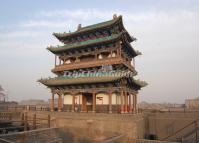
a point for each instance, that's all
(167, 33)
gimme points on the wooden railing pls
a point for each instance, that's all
(19, 108)
(22, 122)
(93, 63)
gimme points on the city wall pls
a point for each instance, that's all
(166, 124)
(97, 126)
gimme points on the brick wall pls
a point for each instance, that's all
(99, 124)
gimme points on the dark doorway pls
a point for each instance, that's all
(87, 101)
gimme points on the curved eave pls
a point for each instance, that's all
(140, 83)
(138, 52)
(137, 84)
(74, 81)
(130, 38)
(134, 52)
(56, 50)
(87, 29)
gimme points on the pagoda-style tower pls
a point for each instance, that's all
(95, 70)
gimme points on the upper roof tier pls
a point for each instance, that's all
(95, 27)
(57, 49)
(93, 42)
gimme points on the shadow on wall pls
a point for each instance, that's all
(68, 136)
(81, 135)
(62, 135)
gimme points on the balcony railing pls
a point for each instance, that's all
(93, 63)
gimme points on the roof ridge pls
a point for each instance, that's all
(83, 29)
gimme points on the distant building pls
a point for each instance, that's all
(33, 102)
(4, 105)
(160, 106)
(192, 103)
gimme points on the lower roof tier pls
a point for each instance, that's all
(116, 81)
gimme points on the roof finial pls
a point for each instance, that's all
(114, 16)
(79, 26)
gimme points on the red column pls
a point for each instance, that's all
(122, 102)
(73, 103)
(130, 104)
(134, 104)
(136, 109)
(82, 105)
(59, 103)
(126, 102)
(94, 102)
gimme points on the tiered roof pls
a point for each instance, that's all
(123, 35)
(88, 29)
(92, 42)
(57, 81)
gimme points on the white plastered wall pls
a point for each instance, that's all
(105, 99)
(118, 99)
(114, 96)
(115, 99)
(68, 99)
(78, 99)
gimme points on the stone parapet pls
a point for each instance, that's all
(129, 125)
